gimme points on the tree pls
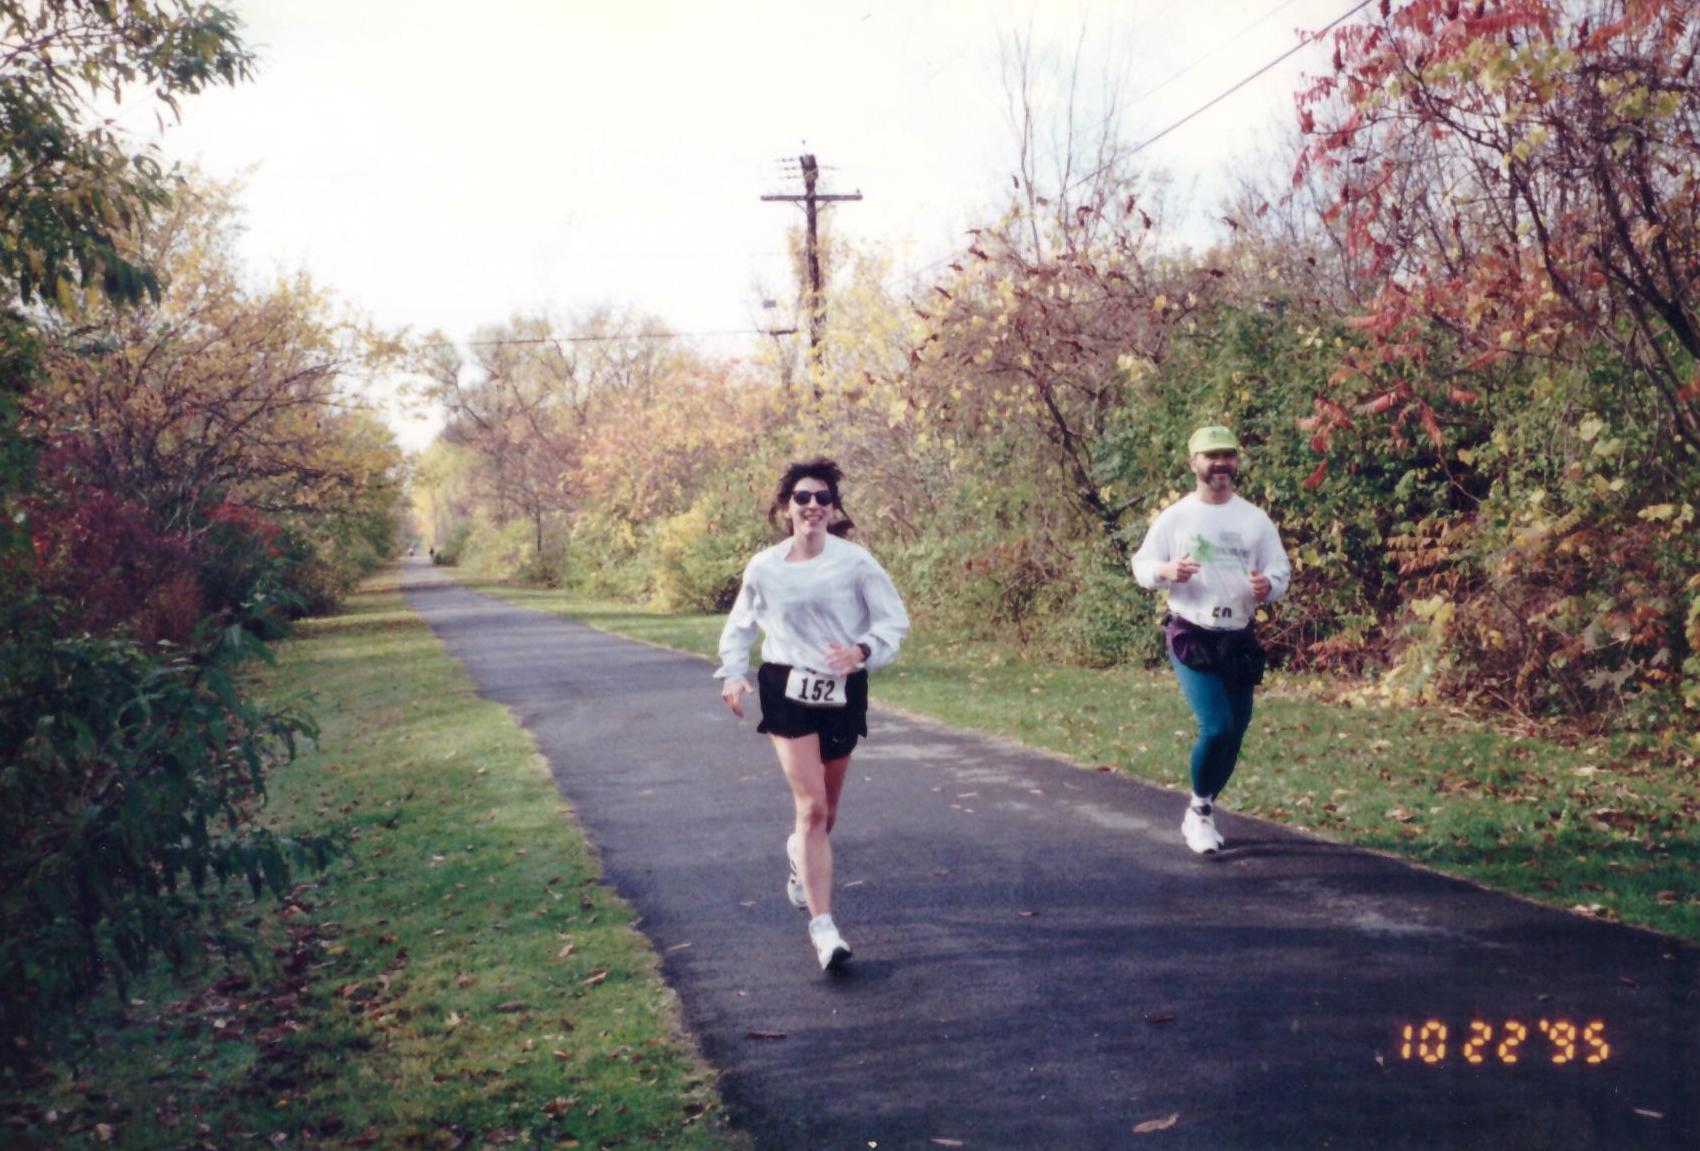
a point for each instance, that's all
(1063, 305)
(70, 187)
(1519, 174)
(1518, 179)
(217, 393)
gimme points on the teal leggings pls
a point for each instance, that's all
(1223, 712)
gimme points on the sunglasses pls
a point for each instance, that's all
(801, 498)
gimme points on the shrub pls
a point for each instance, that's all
(100, 557)
(127, 802)
(451, 547)
(698, 556)
(1110, 619)
(607, 558)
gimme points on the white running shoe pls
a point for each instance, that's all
(1210, 825)
(830, 947)
(794, 880)
(1199, 831)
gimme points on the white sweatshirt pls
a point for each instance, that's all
(842, 595)
(1229, 541)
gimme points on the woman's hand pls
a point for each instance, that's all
(841, 660)
(732, 691)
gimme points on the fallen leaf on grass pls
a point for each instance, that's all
(564, 952)
(596, 977)
(510, 1006)
(758, 1034)
(559, 1054)
(1401, 814)
(558, 1107)
(1162, 1124)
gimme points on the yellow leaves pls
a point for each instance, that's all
(1589, 428)
(1676, 517)
(1646, 232)
(1437, 611)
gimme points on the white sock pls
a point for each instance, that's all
(1201, 803)
(822, 923)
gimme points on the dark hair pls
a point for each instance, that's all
(826, 472)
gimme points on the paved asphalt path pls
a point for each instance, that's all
(1040, 963)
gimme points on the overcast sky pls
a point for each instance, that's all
(444, 165)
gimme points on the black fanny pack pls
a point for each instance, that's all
(1236, 655)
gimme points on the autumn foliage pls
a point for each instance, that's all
(1459, 342)
(182, 466)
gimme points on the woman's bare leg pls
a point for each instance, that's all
(815, 795)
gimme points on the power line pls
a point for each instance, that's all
(1302, 44)
(1216, 51)
(600, 339)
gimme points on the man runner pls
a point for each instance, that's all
(1217, 556)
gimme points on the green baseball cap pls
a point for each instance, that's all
(1214, 438)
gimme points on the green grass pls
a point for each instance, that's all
(460, 979)
(1579, 824)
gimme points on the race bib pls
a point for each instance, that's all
(812, 689)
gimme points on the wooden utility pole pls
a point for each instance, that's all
(811, 201)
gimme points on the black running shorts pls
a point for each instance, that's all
(838, 727)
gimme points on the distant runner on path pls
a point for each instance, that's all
(829, 614)
(1218, 557)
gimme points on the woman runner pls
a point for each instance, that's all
(829, 614)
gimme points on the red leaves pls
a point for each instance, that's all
(1426, 417)
(1315, 478)
(1376, 405)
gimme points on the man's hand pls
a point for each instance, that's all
(1181, 570)
(841, 660)
(1260, 586)
(734, 690)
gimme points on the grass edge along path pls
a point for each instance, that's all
(462, 979)
(1590, 827)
